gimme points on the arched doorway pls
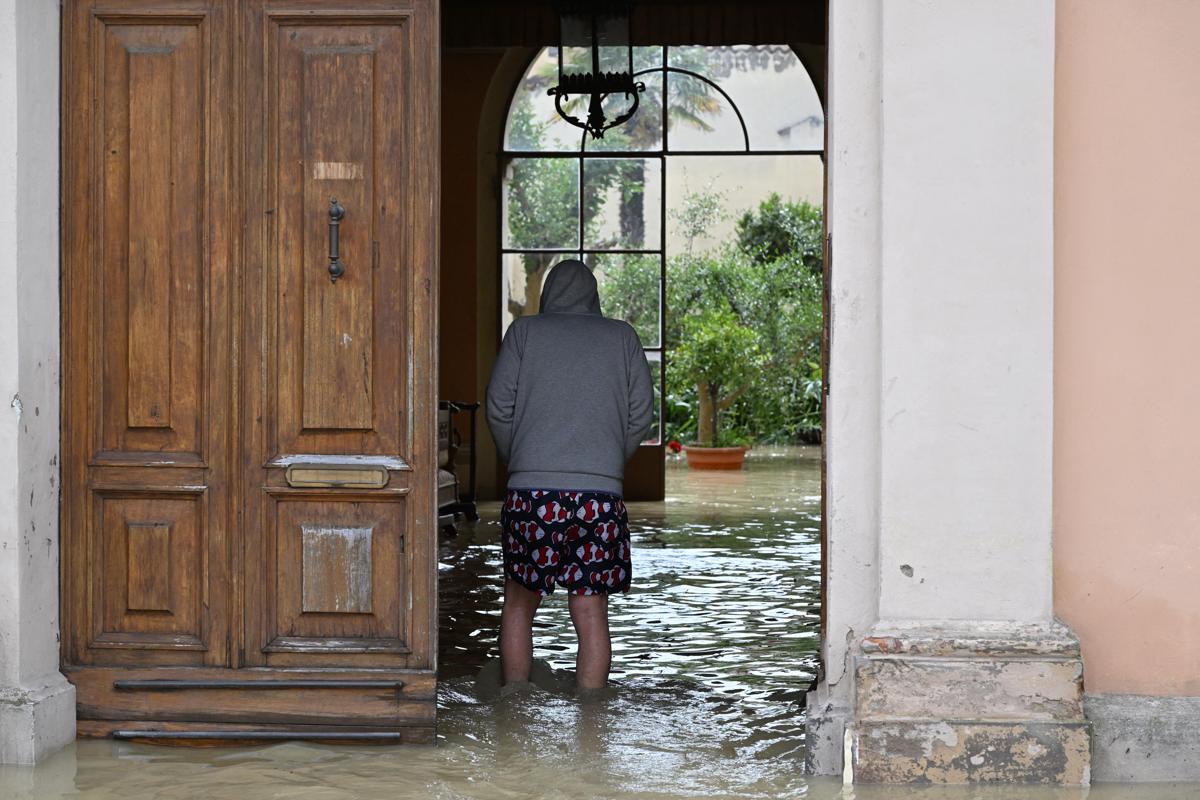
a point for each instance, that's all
(720, 131)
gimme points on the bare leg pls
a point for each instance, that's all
(516, 631)
(589, 613)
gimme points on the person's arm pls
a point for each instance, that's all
(641, 397)
(502, 390)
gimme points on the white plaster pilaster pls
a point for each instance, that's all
(852, 432)
(966, 302)
(938, 434)
(37, 704)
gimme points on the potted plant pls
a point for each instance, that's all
(720, 356)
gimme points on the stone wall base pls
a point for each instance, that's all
(824, 734)
(969, 751)
(36, 720)
(970, 703)
(1144, 738)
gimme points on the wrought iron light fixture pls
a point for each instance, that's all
(592, 26)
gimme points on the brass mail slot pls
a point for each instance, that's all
(350, 476)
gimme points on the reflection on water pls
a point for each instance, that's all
(712, 651)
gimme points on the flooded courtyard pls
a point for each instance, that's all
(712, 652)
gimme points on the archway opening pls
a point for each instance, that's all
(710, 204)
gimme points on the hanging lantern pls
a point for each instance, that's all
(601, 28)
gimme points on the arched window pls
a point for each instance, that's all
(741, 123)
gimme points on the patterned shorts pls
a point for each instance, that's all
(577, 540)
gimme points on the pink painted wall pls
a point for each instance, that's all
(1127, 341)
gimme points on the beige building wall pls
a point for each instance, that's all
(1127, 342)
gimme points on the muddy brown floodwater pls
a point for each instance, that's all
(712, 651)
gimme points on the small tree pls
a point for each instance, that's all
(770, 280)
(697, 213)
(721, 357)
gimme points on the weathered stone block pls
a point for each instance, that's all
(989, 702)
(969, 751)
(970, 688)
(976, 638)
(36, 720)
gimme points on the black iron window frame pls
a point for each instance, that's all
(664, 151)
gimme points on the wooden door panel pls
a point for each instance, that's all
(338, 125)
(151, 113)
(145, 334)
(338, 585)
(340, 577)
(153, 584)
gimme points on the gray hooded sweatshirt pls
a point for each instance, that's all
(570, 396)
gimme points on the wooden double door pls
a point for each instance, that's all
(249, 415)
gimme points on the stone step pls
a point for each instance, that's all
(1025, 688)
(970, 751)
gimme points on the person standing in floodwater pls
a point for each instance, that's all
(569, 401)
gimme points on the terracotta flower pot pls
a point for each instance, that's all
(714, 457)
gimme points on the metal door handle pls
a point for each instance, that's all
(336, 212)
